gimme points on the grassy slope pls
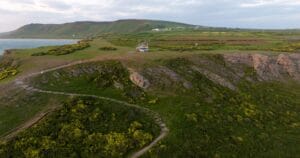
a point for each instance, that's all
(215, 126)
(84, 127)
(22, 107)
(192, 40)
(211, 120)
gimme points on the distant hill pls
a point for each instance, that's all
(88, 28)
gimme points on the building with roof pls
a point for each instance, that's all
(143, 47)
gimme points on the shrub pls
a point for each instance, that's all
(8, 68)
(108, 48)
(69, 133)
(64, 50)
(7, 73)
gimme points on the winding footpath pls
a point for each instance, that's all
(156, 117)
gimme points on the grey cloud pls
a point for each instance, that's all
(59, 5)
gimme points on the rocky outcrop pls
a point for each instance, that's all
(215, 78)
(138, 79)
(175, 77)
(166, 77)
(269, 67)
(266, 67)
(290, 65)
(239, 59)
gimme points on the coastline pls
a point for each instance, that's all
(9, 44)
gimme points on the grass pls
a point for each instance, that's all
(66, 49)
(261, 119)
(81, 30)
(22, 107)
(124, 51)
(253, 127)
(82, 79)
(186, 41)
(210, 120)
(73, 130)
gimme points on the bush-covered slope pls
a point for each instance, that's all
(84, 127)
(213, 109)
(88, 29)
(8, 67)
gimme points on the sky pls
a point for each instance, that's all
(273, 14)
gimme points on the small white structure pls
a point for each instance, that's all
(143, 48)
(156, 30)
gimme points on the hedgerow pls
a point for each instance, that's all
(64, 50)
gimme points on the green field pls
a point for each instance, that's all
(186, 41)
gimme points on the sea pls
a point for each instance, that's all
(31, 43)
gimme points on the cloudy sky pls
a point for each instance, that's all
(227, 13)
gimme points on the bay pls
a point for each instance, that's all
(31, 43)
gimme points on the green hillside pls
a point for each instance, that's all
(196, 93)
(87, 28)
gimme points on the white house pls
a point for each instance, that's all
(156, 30)
(143, 47)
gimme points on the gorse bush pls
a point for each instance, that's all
(108, 48)
(7, 73)
(214, 121)
(8, 68)
(114, 72)
(82, 128)
(110, 77)
(66, 49)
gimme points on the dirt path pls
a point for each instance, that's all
(156, 117)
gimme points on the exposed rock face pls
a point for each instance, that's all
(239, 59)
(138, 79)
(175, 77)
(289, 65)
(215, 78)
(166, 77)
(118, 85)
(269, 67)
(266, 67)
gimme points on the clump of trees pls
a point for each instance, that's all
(66, 49)
(82, 128)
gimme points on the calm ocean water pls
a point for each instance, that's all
(31, 43)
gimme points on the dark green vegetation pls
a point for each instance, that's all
(88, 29)
(108, 48)
(66, 49)
(84, 127)
(206, 120)
(199, 40)
(250, 123)
(109, 78)
(21, 106)
(254, 121)
(8, 68)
